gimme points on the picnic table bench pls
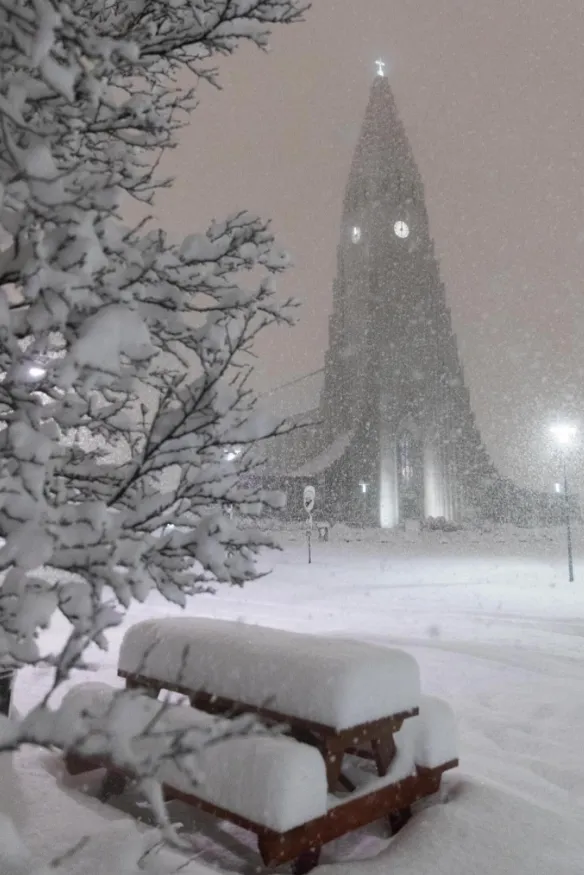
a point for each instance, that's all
(340, 695)
(272, 786)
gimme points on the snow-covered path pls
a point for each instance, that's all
(498, 632)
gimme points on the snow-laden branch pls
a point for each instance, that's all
(127, 421)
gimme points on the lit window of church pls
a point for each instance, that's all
(405, 456)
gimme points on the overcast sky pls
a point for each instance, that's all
(492, 95)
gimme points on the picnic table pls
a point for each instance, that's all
(342, 696)
(340, 703)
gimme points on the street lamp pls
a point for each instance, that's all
(564, 435)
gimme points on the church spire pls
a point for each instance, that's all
(383, 165)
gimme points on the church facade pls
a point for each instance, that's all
(393, 436)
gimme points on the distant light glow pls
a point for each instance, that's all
(558, 487)
(564, 433)
(401, 229)
(364, 487)
(36, 372)
(233, 454)
(356, 234)
(380, 67)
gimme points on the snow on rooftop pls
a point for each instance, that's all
(296, 398)
(325, 459)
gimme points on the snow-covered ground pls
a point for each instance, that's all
(498, 632)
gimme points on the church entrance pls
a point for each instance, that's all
(410, 477)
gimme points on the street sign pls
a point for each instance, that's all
(309, 499)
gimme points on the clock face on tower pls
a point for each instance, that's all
(401, 229)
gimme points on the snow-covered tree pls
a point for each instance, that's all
(127, 421)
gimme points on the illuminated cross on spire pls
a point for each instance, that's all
(380, 68)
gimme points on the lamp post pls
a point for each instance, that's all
(564, 435)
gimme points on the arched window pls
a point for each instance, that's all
(405, 451)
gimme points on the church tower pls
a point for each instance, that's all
(397, 421)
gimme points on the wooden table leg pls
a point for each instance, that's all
(346, 783)
(333, 752)
(76, 765)
(306, 862)
(333, 760)
(398, 819)
(113, 784)
(384, 751)
(273, 853)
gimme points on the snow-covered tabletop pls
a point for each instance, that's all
(335, 682)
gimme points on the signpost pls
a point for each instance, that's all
(6, 681)
(309, 499)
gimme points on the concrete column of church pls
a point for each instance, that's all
(451, 484)
(443, 445)
(446, 443)
(388, 485)
(456, 504)
(433, 473)
(460, 454)
(450, 429)
(433, 479)
(442, 509)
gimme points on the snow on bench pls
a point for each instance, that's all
(432, 733)
(427, 741)
(334, 682)
(273, 786)
(272, 781)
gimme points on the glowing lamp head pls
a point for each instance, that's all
(36, 372)
(380, 67)
(564, 434)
